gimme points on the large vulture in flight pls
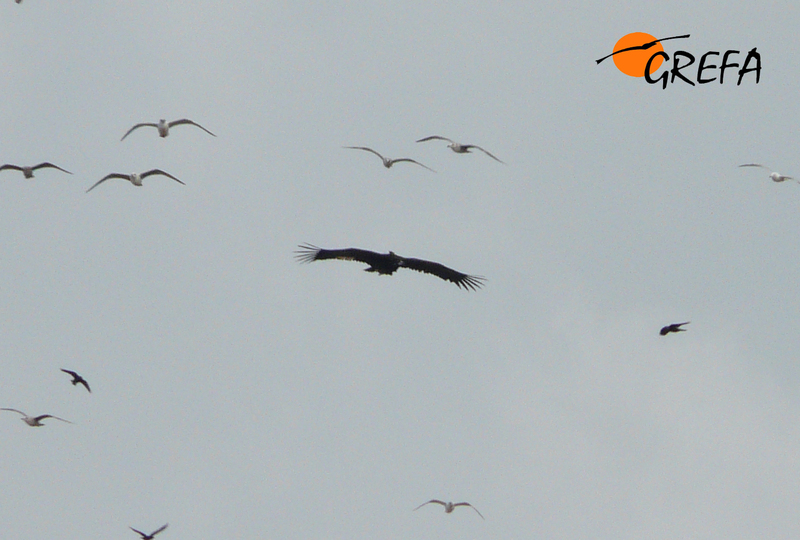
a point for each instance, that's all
(387, 263)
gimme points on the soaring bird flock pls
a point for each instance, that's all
(133, 178)
(379, 263)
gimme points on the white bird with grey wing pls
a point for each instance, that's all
(27, 171)
(134, 178)
(776, 177)
(459, 148)
(163, 127)
(448, 506)
(34, 421)
(387, 162)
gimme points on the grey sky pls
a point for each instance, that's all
(238, 394)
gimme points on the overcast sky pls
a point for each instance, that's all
(239, 394)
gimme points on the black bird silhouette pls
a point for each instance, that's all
(77, 379)
(388, 263)
(151, 535)
(642, 47)
(676, 327)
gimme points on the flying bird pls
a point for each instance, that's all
(28, 171)
(676, 327)
(34, 421)
(77, 379)
(134, 178)
(163, 127)
(387, 263)
(459, 148)
(776, 177)
(642, 47)
(151, 535)
(387, 162)
(448, 506)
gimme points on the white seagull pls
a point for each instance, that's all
(387, 162)
(459, 148)
(34, 421)
(134, 178)
(151, 535)
(776, 177)
(28, 171)
(163, 127)
(448, 506)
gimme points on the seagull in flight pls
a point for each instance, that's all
(28, 171)
(77, 379)
(151, 535)
(676, 327)
(776, 177)
(34, 421)
(387, 162)
(134, 178)
(163, 127)
(448, 506)
(459, 148)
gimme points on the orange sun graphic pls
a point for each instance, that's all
(633, 62)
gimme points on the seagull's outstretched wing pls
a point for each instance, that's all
(10, 167)
(112, 175)
(468, 146)
(435, 138)
(49, 165)
(413, 161)
(437, 501)
(137, 126)
(151, 172)
(15, 410)
(467, 504)
(754, 165)
(189, 122)
(365, 148)
(42, 417)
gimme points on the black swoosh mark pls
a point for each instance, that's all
(641, 47)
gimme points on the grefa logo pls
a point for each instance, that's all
(640, 54)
